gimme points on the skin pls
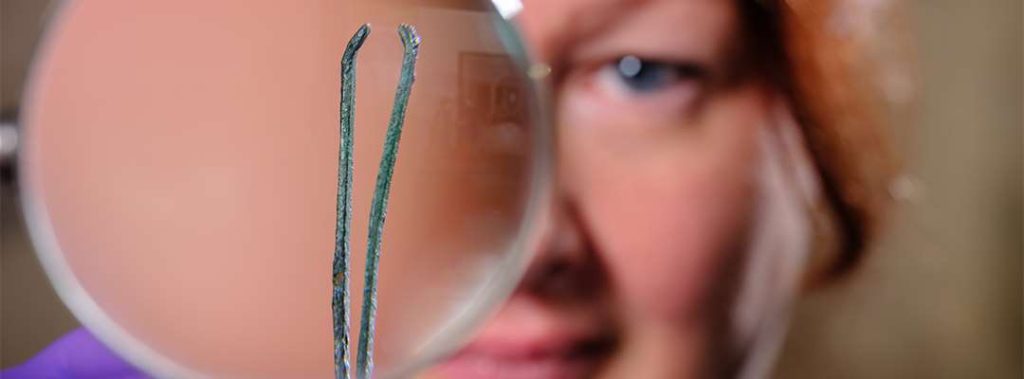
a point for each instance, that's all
(670, 210)
(641, 267)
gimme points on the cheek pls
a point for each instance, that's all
(670, 248)
(667, 204)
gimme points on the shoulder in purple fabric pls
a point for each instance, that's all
(77, 355)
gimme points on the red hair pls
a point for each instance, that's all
(827, 68)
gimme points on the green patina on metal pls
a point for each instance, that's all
(340, 271)
(378, 212)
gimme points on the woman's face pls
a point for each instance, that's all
(658, 130)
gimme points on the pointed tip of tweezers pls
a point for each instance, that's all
(359, 37)
(410, 38)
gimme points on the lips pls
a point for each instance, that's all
(485, 366)
(528, 339)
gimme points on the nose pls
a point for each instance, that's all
(566, 269)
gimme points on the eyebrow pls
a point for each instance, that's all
(565, 33)
(582, 19)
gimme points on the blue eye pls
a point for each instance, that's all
(645, 76)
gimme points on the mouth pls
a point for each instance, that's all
(527, 340)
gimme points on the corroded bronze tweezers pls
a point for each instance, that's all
(340, 295)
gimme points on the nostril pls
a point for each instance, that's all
(566, 278)
(554, 273)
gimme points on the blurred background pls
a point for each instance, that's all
(940, 298)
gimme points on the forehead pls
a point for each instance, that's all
(553, 26)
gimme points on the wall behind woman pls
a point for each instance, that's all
(940, 297)
(31, 315)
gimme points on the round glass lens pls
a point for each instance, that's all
(181, 177)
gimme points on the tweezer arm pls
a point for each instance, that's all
(411, 43)
(340, 270)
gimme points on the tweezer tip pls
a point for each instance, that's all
(363, 31)
(358, 38)
(409, 36)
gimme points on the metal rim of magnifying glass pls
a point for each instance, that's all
(444, 341)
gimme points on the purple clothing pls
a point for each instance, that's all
(76, 355)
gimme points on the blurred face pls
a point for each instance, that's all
(677, 232)
(662, 178)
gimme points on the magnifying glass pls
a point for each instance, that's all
(180, 170)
